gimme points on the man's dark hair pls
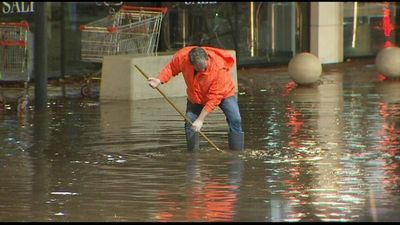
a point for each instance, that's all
(197, 55)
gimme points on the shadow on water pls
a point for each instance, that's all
(325, 152)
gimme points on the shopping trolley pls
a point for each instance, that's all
(15, 56)
(132, 30)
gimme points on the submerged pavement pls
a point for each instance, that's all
(323, 152)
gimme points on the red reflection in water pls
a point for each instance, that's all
(296, 190)
(389, 144)
(219, 203)
(166, 216)
(293, 117)
(288, 88)
(380, 77)
(296, 126)
(388, 132)
(211, 201)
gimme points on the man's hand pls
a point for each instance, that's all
(196, 125)
(154, 82)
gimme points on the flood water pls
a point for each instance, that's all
(326, 152)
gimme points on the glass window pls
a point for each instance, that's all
(369, 27)
(262, 33)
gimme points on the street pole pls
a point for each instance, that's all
(40, 55)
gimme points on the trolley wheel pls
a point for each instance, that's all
(23, 103)
(85, 91)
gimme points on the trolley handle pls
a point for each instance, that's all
(160, 9)
(15, 24)
(13, 43)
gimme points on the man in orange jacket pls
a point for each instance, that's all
(206, 72)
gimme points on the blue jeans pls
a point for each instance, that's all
(228, 105)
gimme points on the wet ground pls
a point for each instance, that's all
(325, 152)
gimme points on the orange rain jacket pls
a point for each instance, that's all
(206, 88)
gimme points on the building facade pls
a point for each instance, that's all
(261, 33)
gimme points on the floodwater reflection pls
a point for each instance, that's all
(327, 152)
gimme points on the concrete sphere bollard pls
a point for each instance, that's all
(305, 68)
(388, 62)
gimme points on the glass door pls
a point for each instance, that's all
(262, 33)
(269, 32)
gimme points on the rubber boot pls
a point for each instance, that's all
(236, 141)
(193, 141)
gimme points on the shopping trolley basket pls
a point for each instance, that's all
(131, 30)
(14, 51)
(15, 57)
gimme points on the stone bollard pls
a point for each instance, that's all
(387, 62)
(305, 68)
